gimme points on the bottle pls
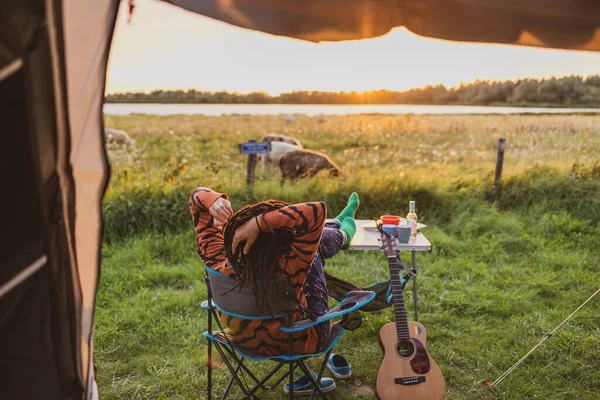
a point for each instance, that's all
(411, 219)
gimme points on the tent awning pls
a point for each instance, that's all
(562, 24)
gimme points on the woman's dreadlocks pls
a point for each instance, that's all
(260, 267)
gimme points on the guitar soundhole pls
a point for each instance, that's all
(405, 348)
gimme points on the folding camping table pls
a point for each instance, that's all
(369, 238)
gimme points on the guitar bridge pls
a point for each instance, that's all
(411, 380)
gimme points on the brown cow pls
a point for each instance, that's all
(296, 164)
(279, 145)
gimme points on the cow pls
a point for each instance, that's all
(277, 150)
(273, 137)
(118, 137)
(321, 119)
(305, 163)
(279, 145)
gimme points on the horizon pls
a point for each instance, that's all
(351, 91)
(166, 48)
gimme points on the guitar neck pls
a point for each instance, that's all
(398, 299)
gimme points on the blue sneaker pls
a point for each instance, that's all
(303, 385)
(340, 367)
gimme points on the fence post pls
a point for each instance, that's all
(252, 148)
(499, 163)
(251, 167)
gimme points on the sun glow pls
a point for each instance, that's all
(165, 47)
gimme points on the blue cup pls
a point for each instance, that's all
(389, 229)
(404, 233)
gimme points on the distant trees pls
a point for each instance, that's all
(570, 91)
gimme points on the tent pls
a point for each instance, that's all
(53, 58)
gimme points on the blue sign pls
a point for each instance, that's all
(255, 147)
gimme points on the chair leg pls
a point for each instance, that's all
(227, 388)
(209, 377)
(279, 380)
(233, 373)
(291, 378)
(230, 350)
(209, 374)
(290, 353)
(239, 361)
(323, 365)
(249, 393)
(210, 314)
(315, 382)
(316, 386)
(230, 382)
(259, 385)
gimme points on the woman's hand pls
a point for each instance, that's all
(221, 211)
(247, 232)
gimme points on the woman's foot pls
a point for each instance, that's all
(346, 219)
(348, 226)
(350, 209)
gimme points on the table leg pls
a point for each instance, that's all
(414, 267)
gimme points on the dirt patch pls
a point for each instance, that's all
(361, 390)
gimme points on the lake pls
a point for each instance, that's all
(330, 109)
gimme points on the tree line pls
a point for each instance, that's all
(570, 91)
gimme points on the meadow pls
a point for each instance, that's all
(506, 265)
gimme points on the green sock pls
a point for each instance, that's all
(350, 210)
(348, 226)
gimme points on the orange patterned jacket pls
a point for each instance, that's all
(307, 219)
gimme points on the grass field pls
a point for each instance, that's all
(505, 269)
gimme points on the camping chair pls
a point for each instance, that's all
(225, 294)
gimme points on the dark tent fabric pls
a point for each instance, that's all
(36, 351)
(54, 170)
(564, 24)
(53, 59)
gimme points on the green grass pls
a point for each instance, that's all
(505, 268)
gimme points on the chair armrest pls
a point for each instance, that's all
(353, 301)
(205, 305)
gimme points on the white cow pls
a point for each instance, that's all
(274, 158)
(118, 137)
(274, 137)
(277, 150)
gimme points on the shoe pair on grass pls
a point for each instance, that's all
(337, 364)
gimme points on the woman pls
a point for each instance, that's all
(265, 241)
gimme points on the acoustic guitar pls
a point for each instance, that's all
(407, 371)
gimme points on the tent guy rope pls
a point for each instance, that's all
(511, 369)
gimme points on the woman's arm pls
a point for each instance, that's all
(307, 220)
(208, 232)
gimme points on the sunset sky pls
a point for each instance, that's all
(165, 47)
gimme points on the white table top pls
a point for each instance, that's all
(370, 239)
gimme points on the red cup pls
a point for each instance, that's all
(390, 219)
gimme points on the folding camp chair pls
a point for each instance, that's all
(227, 296)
